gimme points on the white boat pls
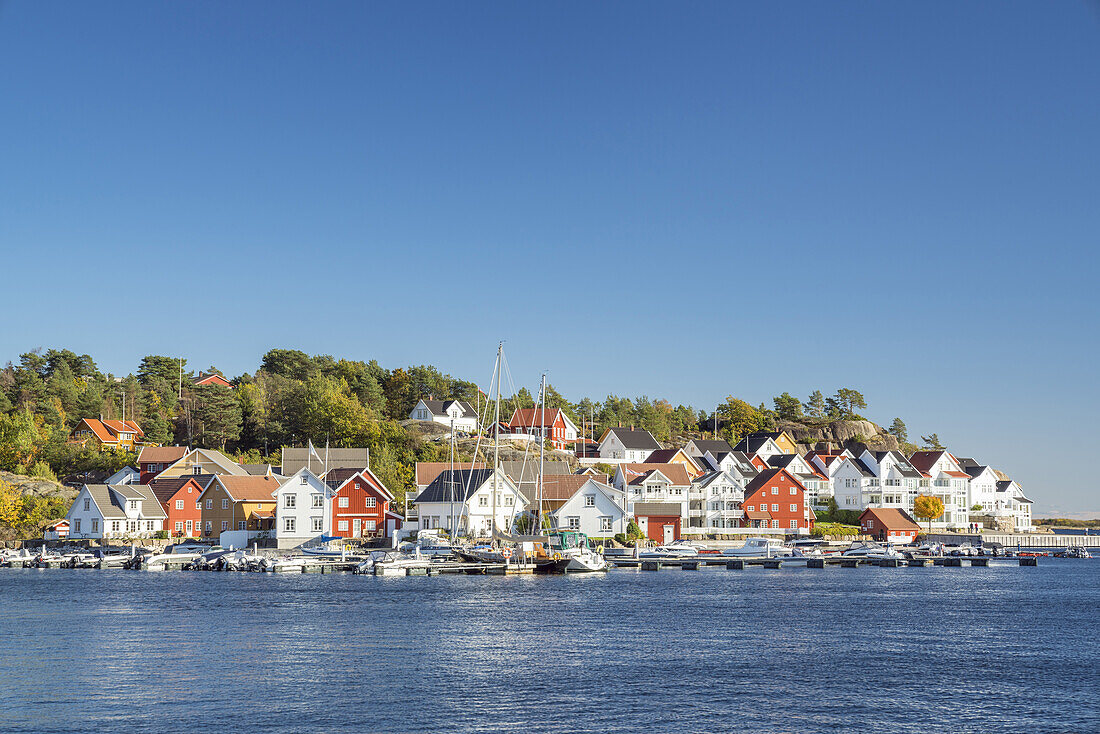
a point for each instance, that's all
(872, 551)
(759, 547)
(672, 552)
(159, 561)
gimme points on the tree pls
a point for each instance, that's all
(787, 407)
(217, 416)
(740, 418)
(897, 430)
(932, 443)
(844, 403)
(154, 367)
(815, 406)
(927, 507)
(11, 504)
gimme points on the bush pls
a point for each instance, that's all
(161, 535)
(634, 532)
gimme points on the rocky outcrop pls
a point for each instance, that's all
(846, 434)
(37, 487)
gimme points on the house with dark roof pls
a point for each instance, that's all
(154, 459)
(115, 511)
(472, 501)
(627, 444)
(697, 447)
(583, 503)
(715, 502)
(895, 481)
(943, 477)
(457, 413)
(760, 446)
(889, 525)
(776, 500)
(550, 423)
(319, 460)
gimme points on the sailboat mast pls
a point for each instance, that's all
(496, 440)
(542, 457)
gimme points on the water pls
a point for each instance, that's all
(1002, 649)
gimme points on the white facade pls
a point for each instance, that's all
(612, 449)
(120, 511)
(125, 475)
(475, 515)
(595, 509)
(654, 486)
(715, 503)
(895, 481)
(1011, 499)
(303, 510)
(983, 490)
(451, 413)
(950, 483)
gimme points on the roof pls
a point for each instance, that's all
(107, 430)
(652, 509)
(161, 454)
(705, 480)
(211, 379)
(295, 459)
(677, 473)
(562, 487)
(105, 501)
(751, 444)
(248, 488)
(256, 470)
(712, 445)
(224, 464)
(165, 489)
(440, 407)
(757, 514)
(110, 499)
(633, 439)
(923, 461)
(891, 518)
(337, 478)
(662, 456)
(523, 474)
(261, 514)
(527, 417)
(150, 506)
(761, 479)
(454, 486)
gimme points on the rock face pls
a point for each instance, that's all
(38, 487)
(847, 434)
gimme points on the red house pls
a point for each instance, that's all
(360, 505)
(212, 379)
(179, 496)
(775, 499)
(889, 525)
(660, 521)
(154, 459)
(559, 430)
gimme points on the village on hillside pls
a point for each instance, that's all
(624, 482)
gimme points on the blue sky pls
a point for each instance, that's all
(679, 201)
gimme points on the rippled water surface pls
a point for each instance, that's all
(1002, 649)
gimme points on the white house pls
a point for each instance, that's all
(466, 496)
(654, 484)
(715, 503)
(895, 482)
(1010, 496)
(696, 448)
(982, 485)
(115, 511)
(850, 478)
(125, 475)
(941, 476)
(627, 444)
(759, 445)
(303, 510)
(458, 413)
(815, 482)
(595, 509)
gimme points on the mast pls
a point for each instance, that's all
(451, 484)
(496, 441)
(542, 460)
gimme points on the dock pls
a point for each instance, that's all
(819, 562)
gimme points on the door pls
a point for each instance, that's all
(669, 530)
(356, 528)
(190, 527)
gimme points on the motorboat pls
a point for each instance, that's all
(872, 551)
(965, 549)
(568, 551)
(759, 547)
(1074, 552)
(672, 551)
(16, 558)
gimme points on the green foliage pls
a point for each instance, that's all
(634, 531)
(216, 413)
(787, 407)
(740, 419)
(833, 515)
(898, 430)
(932, 443)
(835, 529)
(843, 404)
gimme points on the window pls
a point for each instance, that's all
(87, 504)
(794, 524)
(225, 504)
(573, 523)
(342, 502)
(210, 504)
(242, 524)
(775, 524)
(357, 485)
(290, 500)
(76, 525)
(751, 508)
(605, 523)
(775, 508)
(179, 504)
(179, 527)
(318, 500)
(133, 505)
(342, 525)
(482, 501)
(225, 525)
(794, 508)
(95, 525)
(116, 525)
(209, 525)
(795, 491)
(288, 524)
(371, 502)
(775, 490)
(198, 504)
(509, 501)
(370, 525)
(316, 524)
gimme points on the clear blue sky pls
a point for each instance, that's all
(685, 201)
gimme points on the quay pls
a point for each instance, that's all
(737, 564)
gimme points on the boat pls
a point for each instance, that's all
(872, 551)
(669, 552)
(568, 551)
(759, 547)
(1077, 551)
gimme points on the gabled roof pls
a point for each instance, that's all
(705, 480)
(224, 464)
(761, 480)
(752, 443)
(522, 473)
(533, 417)
(248, 488)
(633, 439)
(257, 470)
(211, 379)
(891, 518)
(676, 473)
(902, 464)
(161, 454)
(440, 407)
(109, 506)
(458, 485)
(562, 487)
(923, 461)
(337, 479)
(150, 506)
(860, 467)
(712, 445)
(107, 430)
(296, 458)
(165, 489)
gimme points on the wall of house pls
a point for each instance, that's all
(786, 502)
(188, 495)
(372, 520)
(654, 527)
(311, 512)
(588, 518)
(77, 513)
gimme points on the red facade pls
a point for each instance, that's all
(359, 507)
(184, 515)
(783, 499)
(656, 524)
(529, 420)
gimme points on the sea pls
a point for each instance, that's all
(998, 649)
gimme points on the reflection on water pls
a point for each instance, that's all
(1001, 649)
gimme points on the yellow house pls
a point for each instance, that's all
(784, 441)
(107, 434)
(677, 456)
(237, 503)
(202, 461)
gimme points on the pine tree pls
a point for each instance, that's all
(815, 406)
(897, 430)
